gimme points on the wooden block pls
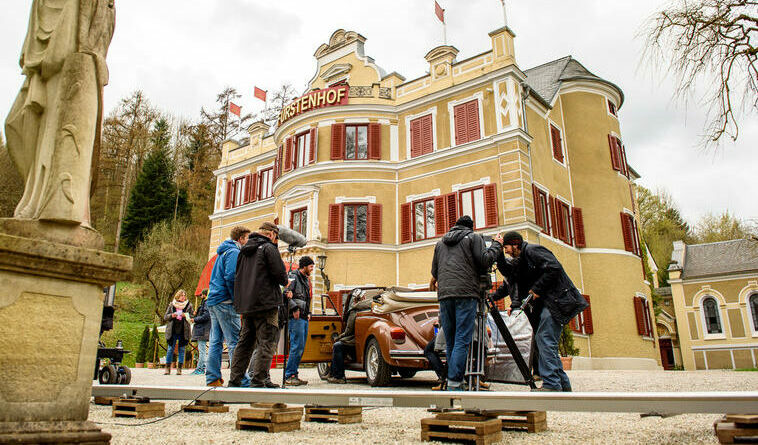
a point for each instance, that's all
(271, 415)
(105, 400)
(215, 407)
(267, 426)
(477, 427)
(727, 432)
(138, 410)
(486, 439)
(333, 418)
(268, 405)
(744, 419)
(139, 414)
(339, 410)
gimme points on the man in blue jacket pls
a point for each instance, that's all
(225, 322)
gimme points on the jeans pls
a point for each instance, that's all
(225, 326)
(457, 317)
(339, 350)
(259, 334)
(549, 362)
(434, 359)
(202, 349)
(298, 328)
(176, 338)
(260, 364)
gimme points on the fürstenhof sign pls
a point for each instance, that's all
(317, 99)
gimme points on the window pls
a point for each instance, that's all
(642, 313)
(466, 122)
(302, 145)
(266, 183)
(299, 221)
(541, 209)
(711, 316)
(618, 155)
(582, 323)
(424, 220)
(239, 191)
(631, 234)
(612, 108)
(753, 306)
(555, 137)
(355, 223)
(472, 204)
(422, 141)
(563, 222)
(356, 142)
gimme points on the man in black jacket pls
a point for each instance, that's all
(536, 271)
(257, 297)
(299, 294)
(460, 259)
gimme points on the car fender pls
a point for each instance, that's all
(380, 330)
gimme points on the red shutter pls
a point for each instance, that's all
(314, 145)
(553, 220)
(451, 210)
(461, 128)
(472, 121)
(415, 138)
(490, 205)
(335, 223)
(375, 223)
(253, 187)
(573, 326)
(338, 142)
(579, 227)
(439, 216)
(626, 229)
(615, 161)
(624, 165)
(555, 135)
(588, 327)
(288, 155)
(406, 223)
(427, 137)
(638, 312)
(229, 192)
(537, 206)
(374, 141)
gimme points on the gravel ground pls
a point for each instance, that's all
(402, 425)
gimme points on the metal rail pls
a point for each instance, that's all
(642, 402)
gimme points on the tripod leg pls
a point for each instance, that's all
(286, 348)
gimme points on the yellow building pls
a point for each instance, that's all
(714, 288)
(373, 168)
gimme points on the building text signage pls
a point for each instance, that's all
(317, 99)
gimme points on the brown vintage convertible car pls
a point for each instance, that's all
(390, 337)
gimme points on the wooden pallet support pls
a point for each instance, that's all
(339, 414)
(205, 406)
(138, 408)
(479, 429)
(105, 400)
(737, 428)
(531, 421)
(269, 417)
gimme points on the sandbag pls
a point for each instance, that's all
(503, 367)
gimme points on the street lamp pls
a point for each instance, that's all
(321, 265)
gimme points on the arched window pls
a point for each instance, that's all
(711, 315)
(753, 303)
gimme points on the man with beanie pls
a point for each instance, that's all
(536, 272)
(299, 294)
(258, 295)
(460, 258)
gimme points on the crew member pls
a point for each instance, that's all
(299, 289)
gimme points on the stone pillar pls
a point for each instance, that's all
(51, 301)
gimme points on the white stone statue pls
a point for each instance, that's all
(53, 129)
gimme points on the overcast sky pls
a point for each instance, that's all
(182, 52)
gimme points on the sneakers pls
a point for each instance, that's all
(218, 382)
(266, 384)
(543, 389)
(198, 372)
(337, 380)
(294, 381)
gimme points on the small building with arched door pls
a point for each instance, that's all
(714, 290)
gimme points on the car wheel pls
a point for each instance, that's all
(406, 373)
(108, 375)
(324, 369)
(378, 372)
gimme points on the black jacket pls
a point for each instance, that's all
(186, 328)
(301, 293)
(538, 270)
(202, 328)
(460, 258)
(260, 273)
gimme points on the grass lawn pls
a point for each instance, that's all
(134, 311)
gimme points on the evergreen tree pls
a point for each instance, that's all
(154, 195)
(143, 346)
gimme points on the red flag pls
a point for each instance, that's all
(259, 94)
(235, 109)
(439, 12)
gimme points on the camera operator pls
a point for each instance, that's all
(536, 271)
(460, 259)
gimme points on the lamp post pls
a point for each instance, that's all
(321, 265)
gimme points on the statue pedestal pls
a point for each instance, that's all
(51, 301)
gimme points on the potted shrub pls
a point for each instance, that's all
(566, 347)
(142, 349)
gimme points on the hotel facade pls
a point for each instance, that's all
(373, 168)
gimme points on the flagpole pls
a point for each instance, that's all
(444, 32)
(505, 13)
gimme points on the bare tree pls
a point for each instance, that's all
(279, 99)
(219, 121)
(712, 42)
